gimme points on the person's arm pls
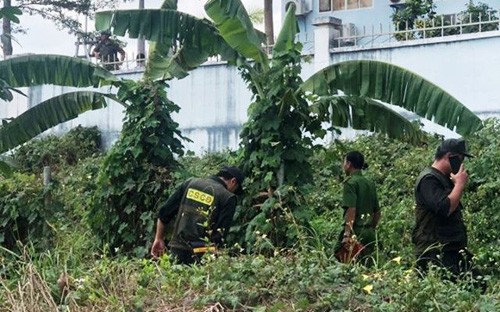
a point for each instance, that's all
(167, 213)
(350, 215)
(96, 50)
(158, 247)
(460, 180)
(434, 197)
(122, 53)
(349, 200)
(223, 221)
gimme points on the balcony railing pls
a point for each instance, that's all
(440, 26)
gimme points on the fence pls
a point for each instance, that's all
(440, 26)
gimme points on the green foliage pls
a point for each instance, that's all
(33, 70)
(304, 278)
(10, 13)
(405, 18)
(417, 15)
(275, 152)
(483, 195)
(480, 12)
(57, 151)
(23, 213)
(138, 170)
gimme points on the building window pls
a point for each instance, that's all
(339, 5)
(325, 5)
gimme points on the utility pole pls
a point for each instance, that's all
(268, 21)
(141, 43)
(6, 32)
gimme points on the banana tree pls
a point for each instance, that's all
(33, 70)
(179, 42)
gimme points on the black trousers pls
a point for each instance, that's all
(185, 256)
(457, 262)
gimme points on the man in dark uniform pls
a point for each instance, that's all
(107, 52)
(440, 235)
(203, 211)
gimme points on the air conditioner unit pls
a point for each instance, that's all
(301, 7)
(348, 34)
(397, 4)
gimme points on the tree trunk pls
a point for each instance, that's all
(6, 32)
(268, 21)
(141, 43)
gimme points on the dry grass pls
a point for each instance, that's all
(31, 294)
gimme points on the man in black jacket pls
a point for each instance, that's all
(440, 235)
(203, 211)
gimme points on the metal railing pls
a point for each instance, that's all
(131, 63)
(440, 26)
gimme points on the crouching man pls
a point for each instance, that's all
(203, 210)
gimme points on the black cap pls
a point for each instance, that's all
(455, 146)
(236, 173)
(105, 33)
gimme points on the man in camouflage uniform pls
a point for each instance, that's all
(203, 210)
(440, 235)
(107, 52)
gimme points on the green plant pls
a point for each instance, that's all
(137, 171)
(34, 70)
(23, 212)
(475, 13)
(303, 278)
(79, 143)
(405, 18)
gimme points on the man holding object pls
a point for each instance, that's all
(440, 235)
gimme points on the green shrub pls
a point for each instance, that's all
(57, 151)
(23, 212)
(137, 172)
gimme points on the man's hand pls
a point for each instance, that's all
(461, 177)
(346, 240)
(158, 248)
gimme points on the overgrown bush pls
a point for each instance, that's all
(305, 277)
(23, 213)
(57, 151)
(137, 172)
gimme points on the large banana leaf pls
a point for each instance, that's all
(235, 26)
(176, 64)
(362, 113)
(398, 86)
(193, 39)
(31, 70)
(47, 115)
(169, 5)
(286, 38)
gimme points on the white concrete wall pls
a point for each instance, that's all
(467, 69)
(376, 17)
(214, 98)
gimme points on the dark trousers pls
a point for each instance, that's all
(458, 263)
(185, 256)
